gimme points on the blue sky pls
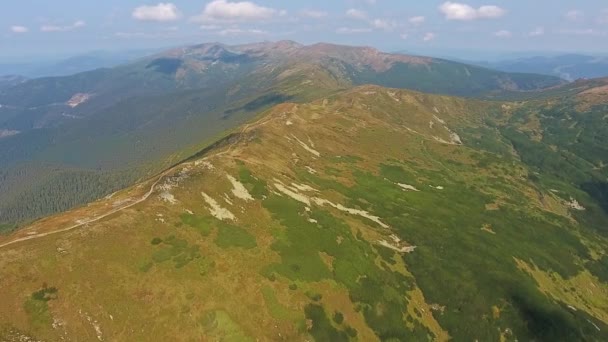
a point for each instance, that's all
(63, 27)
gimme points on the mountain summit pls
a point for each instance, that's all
(93, 133)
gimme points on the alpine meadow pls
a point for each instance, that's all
(281, 191)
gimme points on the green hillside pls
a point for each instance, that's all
(101, 130)
(367, 214)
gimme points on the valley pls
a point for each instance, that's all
(93, 133)
(257, 171)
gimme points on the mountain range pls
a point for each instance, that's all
(570, 67)
(276, 191)
(92, 133)
(53, 66)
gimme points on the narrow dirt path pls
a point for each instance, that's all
(129, 205)
(95, 219)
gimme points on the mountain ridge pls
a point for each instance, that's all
(131, 121)
(351, 216)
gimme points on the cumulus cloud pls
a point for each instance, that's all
(210, 27)
(539, 31)
(418, 20)
(574, 15)
(383, 24)
(459, 11)
(503, 34)
(226, 11)
(19, 29)
(313, 14)
(429, 36)
(162, 12)
(353, 30)
(378, 23)
(356, 14)
(62, 28)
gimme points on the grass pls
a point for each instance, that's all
(230, 236)
(177, 250)
(322, 329)
(202, 224)
(223, 327)
(37, 309)
(283, 267)
(256, 187)
(276, 309)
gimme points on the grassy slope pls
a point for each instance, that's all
(149, 114)
(497, 256)
(134, 139)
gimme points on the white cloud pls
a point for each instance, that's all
(603, 18)
(459, 11)
(239, 31)
(404, 36)
(129, 34)
(503, 34)
(583, 32)
(313, 14)
(210, 27)
(490, 12)
(429, 36)
(226, 11)
(145, 35)
(356, 14)
(352, 30)
(62, 28)
(383, 24)
(379, 24)
(418, 20)
(574, 15)
(19, 29)
(539, 31)
(162, 12)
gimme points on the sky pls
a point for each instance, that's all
(42, 28)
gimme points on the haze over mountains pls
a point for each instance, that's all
(92, 133)
(569, 67)
(48, 67)
(279, 191)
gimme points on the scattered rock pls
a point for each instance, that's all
(311, 170)
(239, 190)
(399, 249)
(306, 147)
(227, 199)
(168, 197)
(293, 194)
(205, 165)
(296, 195)
(216, 210)
(78, 99)
(407, 187)
(573, 204)
(304, 187)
